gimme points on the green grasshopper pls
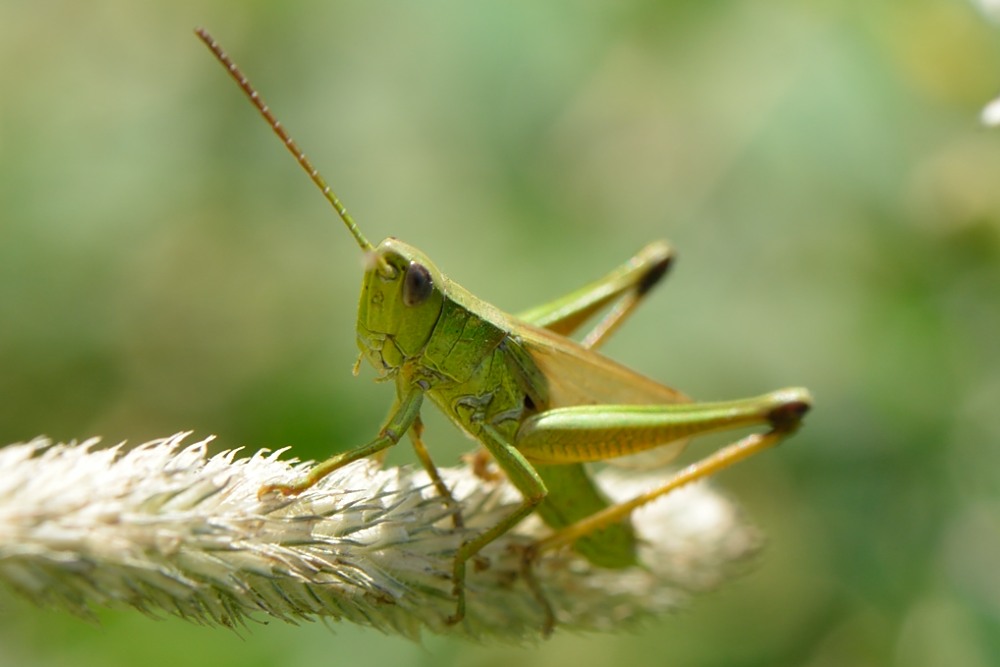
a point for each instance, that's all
(539, 402)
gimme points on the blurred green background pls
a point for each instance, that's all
(164, 265)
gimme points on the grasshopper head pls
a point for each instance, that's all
(401, 299)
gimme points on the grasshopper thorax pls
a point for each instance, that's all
(401, 299)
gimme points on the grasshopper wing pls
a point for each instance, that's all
(572, 375)
(579, 376)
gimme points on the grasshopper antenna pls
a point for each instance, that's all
(286, 139)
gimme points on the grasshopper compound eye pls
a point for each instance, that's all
(417, 284)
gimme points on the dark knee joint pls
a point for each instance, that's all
(660, 258)
(787, 416)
